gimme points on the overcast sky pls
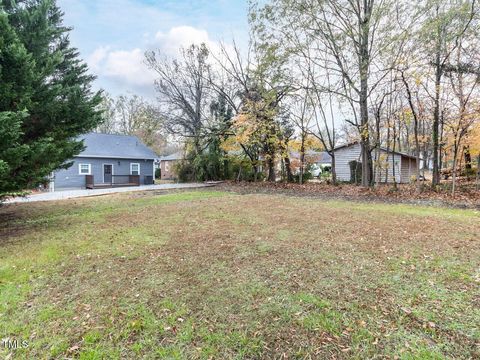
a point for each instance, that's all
(112, 35)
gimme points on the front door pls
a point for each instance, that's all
(107, 173)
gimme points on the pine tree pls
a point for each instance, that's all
(58, 104)
(16, 77)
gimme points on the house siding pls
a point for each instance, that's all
(408, 169)
(342, 158)
(70, 178)
(168, 169)
(385, 167)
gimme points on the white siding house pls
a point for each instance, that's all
(389, 165)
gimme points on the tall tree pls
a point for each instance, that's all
(58, 102)
(416, 121)
(182, 87)
(133, 115)
(16, 79)
(464, 112)
(444, 24)
(301, 113)
(351, 35)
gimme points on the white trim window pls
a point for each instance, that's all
(134, 169)
(85, 169)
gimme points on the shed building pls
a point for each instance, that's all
(390, 165)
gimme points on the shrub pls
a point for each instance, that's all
(307, 175)
(185, 171)
(208, 166)
(241, 168)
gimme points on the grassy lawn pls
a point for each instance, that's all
(209, 274)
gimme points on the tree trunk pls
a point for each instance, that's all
(288, 169)
(454, 168)
(365, 140)
(302, 159)
(334, 171)
(478, 172)
(388, 150)
(418, 185)
(393, 155)
(468, 158)
(271, 169)
(436, 120)
(364, 61)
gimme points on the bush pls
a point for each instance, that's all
(242, 166)
(307, 175)
(326, 175)
(208, 167)
(185, 171)
(470, 173)
(158, 173)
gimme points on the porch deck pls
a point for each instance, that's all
(115, 181)
(107, 186)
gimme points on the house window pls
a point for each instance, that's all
(85, 169)
(134, 169)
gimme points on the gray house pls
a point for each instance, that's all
(107, 161)
(390, 165)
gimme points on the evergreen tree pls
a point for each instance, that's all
(50, 102)
(16, 77)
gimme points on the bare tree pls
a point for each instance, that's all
(443, 26)
(350, 36)
(133, 115)
(301, 111)
(109, 123)
(183, 94)
(463, 85)
(413, 109)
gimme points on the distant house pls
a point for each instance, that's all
(320, 158)
(316, 162)
(107, 161)
(167, 165)
(391, 165)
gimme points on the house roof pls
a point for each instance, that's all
(381, 148)
(317, 156)
(115, 146)
(175, 156)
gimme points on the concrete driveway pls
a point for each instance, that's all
(69, 194)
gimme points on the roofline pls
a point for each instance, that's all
(100, 133)
(381, 148)
(116, 157)
(346, 145)
(397, 153)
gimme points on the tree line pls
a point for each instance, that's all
(132, 114)
(315, 74)
(384, 73)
